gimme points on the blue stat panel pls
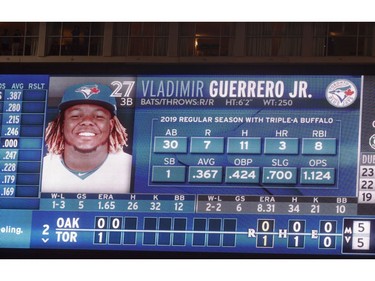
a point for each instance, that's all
(221, 164)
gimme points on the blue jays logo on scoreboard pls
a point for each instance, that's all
(341, 93)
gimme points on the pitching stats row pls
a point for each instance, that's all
(270, 164)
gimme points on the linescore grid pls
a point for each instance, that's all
(278, 164)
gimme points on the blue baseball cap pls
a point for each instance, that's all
(90, 93)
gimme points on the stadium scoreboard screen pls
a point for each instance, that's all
(242, 164)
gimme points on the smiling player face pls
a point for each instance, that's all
(87, 128)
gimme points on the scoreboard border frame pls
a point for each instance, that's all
(211, 68)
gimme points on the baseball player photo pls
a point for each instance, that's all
(86, 144)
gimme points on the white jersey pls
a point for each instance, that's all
(113, 176)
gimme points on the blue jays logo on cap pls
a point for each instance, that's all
(88, 90)
(90, 93)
